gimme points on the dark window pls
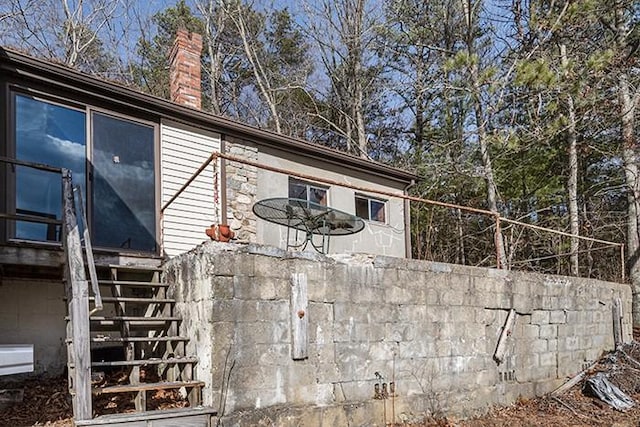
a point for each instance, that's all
(304, 190)
(120, 191)
(54, 135)
(370, 209)
(123, 184)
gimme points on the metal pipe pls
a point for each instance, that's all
(405, 197)
(189, 181)
(496, 236)
(623, 266)
(407, 222)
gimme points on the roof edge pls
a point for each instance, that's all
(40, 69)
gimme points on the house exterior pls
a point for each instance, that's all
(131, 153)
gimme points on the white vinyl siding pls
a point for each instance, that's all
(183, 150)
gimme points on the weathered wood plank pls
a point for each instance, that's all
(181, 417)
(78, 305)
(147, 386)
(616, 309)
(141, 362)
(299, 317)
(498, 355)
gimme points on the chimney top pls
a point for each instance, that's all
(185, 69)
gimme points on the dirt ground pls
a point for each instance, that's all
(46, 402)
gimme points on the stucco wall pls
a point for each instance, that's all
(430, 328)
(376, 238)
(32, 312)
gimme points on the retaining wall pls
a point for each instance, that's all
(430, 328)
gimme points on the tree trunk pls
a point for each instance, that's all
(627, 103)
(214, 20)
(632, 180)
(572, 180)
(470, 11)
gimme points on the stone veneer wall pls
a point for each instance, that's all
(431, 328)
(242, 186)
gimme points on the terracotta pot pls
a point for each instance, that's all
(212, 232)
(225, 233)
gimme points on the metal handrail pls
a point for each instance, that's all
(495, 215)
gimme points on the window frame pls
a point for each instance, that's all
(309, 185)
(369, 200)
(11, 89)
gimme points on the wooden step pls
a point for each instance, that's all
(137, 300)
(134, 318)
(184, 417)
(132, 321)
(132, 283)
(135, 339)
(141, 268)
(138, 339)
(164, 385)
(143, 362)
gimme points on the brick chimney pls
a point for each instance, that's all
(184, 69)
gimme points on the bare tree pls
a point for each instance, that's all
(343, 32)
(472, 11)
(70, 31)
(572, 181)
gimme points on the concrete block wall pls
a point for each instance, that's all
(430, 328)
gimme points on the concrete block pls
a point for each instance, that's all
(463, 314)
(548, 331)
(416, 349)
(438, 313)
(484, 316)
(530, 332)
(253, 288)
(398, 294)
(459, 283)
(557, 316)
(332, 416)
(432, 296)
(452, 297)
(349, 311)
(222, 287)
(538, 345)
(263, 333)
(397, 332)
(344, 331)
(548, 359)
(569, 343)
(412, 313)
(540, 317)
(566, 330)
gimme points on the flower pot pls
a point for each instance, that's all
(221, 232)
(225, 233)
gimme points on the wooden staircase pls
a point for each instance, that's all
(136, 349)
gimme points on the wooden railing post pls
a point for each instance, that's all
(78, 301)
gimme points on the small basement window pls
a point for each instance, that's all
(370, 209)
(299, 189)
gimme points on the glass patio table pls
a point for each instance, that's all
(312, 219)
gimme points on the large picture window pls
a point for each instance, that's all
(54, 135)
(113, 163)
(308, 191)
(123, 183)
